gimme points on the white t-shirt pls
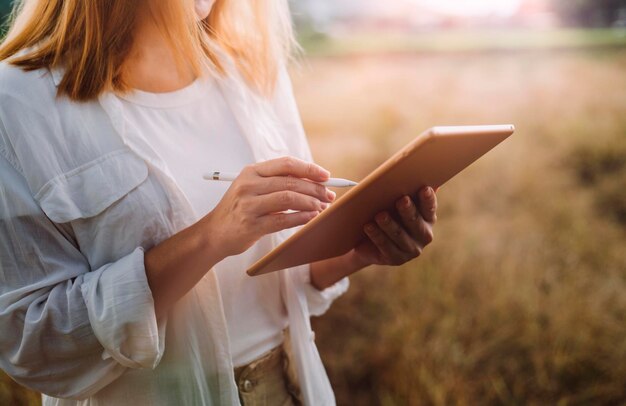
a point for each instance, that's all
(194, 132)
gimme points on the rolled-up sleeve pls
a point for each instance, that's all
(67, 330)
(121, 312)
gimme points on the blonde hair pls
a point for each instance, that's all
(91, 39)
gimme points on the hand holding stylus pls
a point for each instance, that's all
(255, 204)
(259, 197)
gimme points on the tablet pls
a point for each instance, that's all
(431, 159)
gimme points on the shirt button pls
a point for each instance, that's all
(247, 385)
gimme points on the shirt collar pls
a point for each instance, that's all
(255, 115)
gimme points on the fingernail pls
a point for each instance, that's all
(325, 205)
(331, 195)
(369, 228)
(428, 192)
(323, 172)
(406, 201)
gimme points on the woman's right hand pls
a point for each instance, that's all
(256, 202)
(253, 206)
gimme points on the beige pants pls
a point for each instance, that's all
(268, 381)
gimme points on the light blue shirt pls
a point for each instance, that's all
(82, 197)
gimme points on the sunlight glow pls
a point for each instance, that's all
(472, 7)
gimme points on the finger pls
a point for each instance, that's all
(280, 183)
(418, 228)
(290, 166)
(386, 247)
(272, 223)
(409, 215)
(286, 200)
(396, 233)
(428, 204)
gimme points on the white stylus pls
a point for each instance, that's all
(230, 176)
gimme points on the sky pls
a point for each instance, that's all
(327, 9)
(471, 7)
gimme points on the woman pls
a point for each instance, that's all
(123, 272)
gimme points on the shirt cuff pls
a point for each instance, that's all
(320, 300)
(121, 312)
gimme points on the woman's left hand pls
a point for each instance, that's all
(393, 239)
(396, 238)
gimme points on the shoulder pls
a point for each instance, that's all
(16, 81)
(26, 99)
(29, 124)
(33, 87)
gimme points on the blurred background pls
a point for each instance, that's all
(521, 299)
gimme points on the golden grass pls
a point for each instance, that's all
(522, 297)
(12, 394)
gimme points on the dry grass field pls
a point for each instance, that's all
(521, 299)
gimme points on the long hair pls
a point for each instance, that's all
(91, 39)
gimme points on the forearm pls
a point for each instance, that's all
(174, 266)
(330, 271)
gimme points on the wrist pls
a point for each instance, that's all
(354, 262)
(207, 236)
(326, 273)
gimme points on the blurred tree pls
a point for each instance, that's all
(5, 10)
(591, 13)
